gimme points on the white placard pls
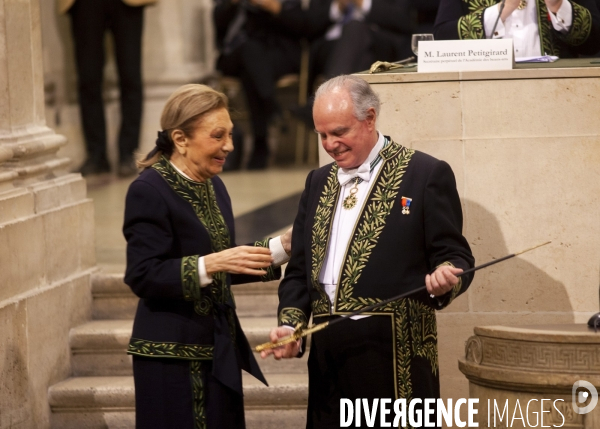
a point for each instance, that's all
(465, 55)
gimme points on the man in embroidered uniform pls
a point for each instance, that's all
(381, 220)
(565, 28)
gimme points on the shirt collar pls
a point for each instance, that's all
(346, 174)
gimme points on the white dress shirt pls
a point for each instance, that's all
(344, 221)
(522, 26)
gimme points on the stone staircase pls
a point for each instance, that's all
(100, 392)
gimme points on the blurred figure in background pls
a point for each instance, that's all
(89, 21)
(259, 42)
(565, 28)
(347, 36)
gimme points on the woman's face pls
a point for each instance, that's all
(204, 152)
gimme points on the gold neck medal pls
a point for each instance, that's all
(351, 200)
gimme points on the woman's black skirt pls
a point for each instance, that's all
(183, 394)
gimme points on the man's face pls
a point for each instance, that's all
(346, 139)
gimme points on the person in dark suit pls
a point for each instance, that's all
(567, 28)
(381, 220)
(349, 35)
(187, 345)
(90, 19)
(259, 42)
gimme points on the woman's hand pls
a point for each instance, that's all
(239, 260)
(286, 241)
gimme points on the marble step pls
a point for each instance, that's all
(113, 299)
(98, 347)
(109, 402)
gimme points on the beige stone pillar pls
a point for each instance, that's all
(46, 230)
(524, 376)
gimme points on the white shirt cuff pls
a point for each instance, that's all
(204, 277)
(563, 19)
(489, 19)
(277, 252)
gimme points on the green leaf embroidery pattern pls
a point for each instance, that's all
(171, 350)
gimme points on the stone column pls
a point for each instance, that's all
(532, 376)
(46, 230)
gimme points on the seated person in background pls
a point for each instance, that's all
(565, 28)
(259, 41)
(349, 35)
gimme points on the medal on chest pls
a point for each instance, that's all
(351, 200)
(406, 205)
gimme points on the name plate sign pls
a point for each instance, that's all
(465, 55)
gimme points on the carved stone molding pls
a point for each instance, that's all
(473, 350)
(574, 358)
(25, 156)
(520, 364)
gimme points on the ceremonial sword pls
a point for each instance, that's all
(299, 332)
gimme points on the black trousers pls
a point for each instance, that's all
(182, 394)
(90, 19)
(259, 64)
(356, 359)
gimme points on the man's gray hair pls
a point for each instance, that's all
(361, 94)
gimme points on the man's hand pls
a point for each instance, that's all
(442, 280)
(287, 351)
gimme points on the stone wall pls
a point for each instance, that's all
(46, 231)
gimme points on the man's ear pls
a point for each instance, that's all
(371, 117)
(180, 141)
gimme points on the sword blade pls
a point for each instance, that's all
(299, 332)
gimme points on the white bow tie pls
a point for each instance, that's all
(345, 176)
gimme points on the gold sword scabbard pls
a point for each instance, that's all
(298, 333)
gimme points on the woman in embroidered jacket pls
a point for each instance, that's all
(187, 345)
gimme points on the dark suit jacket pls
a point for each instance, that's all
(393, 16)
(390, 252)
(391, 22)
(176, 318)
(463, 19)
(285, 28)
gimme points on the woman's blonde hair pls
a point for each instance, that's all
(182, 111)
